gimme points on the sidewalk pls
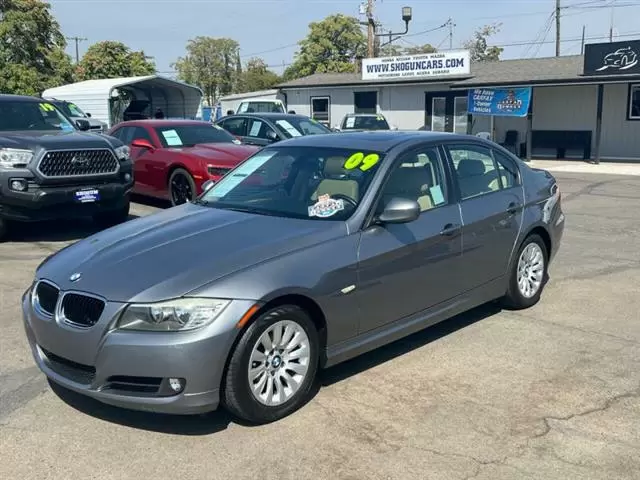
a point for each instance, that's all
(579, 166)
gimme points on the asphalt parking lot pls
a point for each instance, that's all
(548, 393)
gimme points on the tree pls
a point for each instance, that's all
(397, 51)
(110, 59)
(426, 48)
(32, 56)
(391, 51)
(212, 65)
(257, 76)
(332, 46)
(479, 47)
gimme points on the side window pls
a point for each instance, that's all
(419, 176)
(118, 133)
(235, 126)
(141, 133)
(476, 170)
(507, 169)
(259, 129)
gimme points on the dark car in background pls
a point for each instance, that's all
(50, 169)
(74, 112)
(312, 251)
(266, 128)
(359, 122)
(173, 158)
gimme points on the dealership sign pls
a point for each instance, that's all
(427, 65)
(503, 102)
(613, 58)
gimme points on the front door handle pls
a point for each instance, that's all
(450, 229)
(513, 208)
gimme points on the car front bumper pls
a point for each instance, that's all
(53, 202)
(131, 369)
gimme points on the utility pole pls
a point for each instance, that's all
(582, 44)
(557, 28)
(611, 23)
(371, 29)
(77, 40)
(451, 25)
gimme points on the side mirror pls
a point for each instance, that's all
(400, 210)
(142, 143)
(83, 125)
(271, 136)
(88, 115)
(208, 185)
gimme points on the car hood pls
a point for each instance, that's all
(173, 252)
(55, 140)
(222, 153)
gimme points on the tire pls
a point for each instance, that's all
(113, 217)
(517, 297)
(4, 229)
(238, 395)
(179, 181)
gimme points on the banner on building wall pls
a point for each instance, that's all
(427, 65)
(507, 102)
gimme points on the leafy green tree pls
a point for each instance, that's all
(32, 56)
(257, 76)
(332, 46)
(391, 51)
(426, 48)
(479, 46)
(110, 59)
(212, 65)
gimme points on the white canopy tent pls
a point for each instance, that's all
(100, 97)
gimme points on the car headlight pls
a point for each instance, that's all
(122, 152)
(173, 316)
(14, 158)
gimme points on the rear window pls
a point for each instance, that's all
(260, 107)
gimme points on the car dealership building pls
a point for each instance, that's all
(583, 106)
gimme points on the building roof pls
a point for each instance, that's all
(533, 71)
(257, 93)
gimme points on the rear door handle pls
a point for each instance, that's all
(450, 229)
(513, 208)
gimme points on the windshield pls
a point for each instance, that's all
(70, 109)
(261, 107)
(20, 115)
(297, 182)
(365, 123)
(297, 127)
(190, 135)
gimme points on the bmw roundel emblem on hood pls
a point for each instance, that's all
(75, 277)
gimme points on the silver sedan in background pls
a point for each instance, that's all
(312, 251)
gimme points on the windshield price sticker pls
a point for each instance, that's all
(47, 107)
(361, 161)
(244, 170)
(172, 138)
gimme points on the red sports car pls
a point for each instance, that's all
(173, 158)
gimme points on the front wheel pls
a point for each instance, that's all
(528, 274)
(273, 367)
(182, 187)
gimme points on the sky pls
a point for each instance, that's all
(270, 29)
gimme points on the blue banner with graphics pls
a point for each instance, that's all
(508, 102)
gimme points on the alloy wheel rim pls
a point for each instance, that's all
(279, 363)
(180, 190)
(530, 270)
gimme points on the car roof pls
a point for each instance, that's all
(364, 115)
(165, 122)
(375, 140)
(268, 115)
(5, 97)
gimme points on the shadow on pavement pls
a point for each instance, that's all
(217, 421)
(54, 231)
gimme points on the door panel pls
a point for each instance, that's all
(438, 114)
(491, 214)
(142, 159)
(407, 268)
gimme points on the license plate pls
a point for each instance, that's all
(88, 196)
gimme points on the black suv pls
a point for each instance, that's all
(52, 168)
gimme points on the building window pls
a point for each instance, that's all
(365, 102)
(320, 107)
(634, 102)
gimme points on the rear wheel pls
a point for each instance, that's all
(182, 187)
(273, 367)
(528, 274)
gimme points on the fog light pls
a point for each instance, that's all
(19, 185)
(127, 177)
(176, 384)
